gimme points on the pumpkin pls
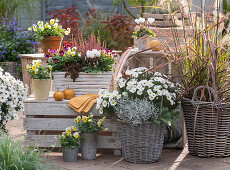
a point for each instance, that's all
(58, 95)
(155, 43)
(69, 93)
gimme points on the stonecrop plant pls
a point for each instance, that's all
(70, 138)
(12, 94)
(51, 28)
(37, 71)
(89, 124)
(144, 28)
(153, 91)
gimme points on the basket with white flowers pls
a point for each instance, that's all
(12, 94)
(89, 127)
(50, 34)
(143, 104)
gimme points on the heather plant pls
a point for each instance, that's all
(14, 41)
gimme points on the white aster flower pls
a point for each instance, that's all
(104, 103)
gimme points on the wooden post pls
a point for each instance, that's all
(27, 59)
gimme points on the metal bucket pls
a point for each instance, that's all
(70, 154)
(88, 145)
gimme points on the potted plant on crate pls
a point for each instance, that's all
(145, 38)
(202, 66)
(70, 144)
(41, 79)
(89, 127)
(90, 63)
(143, 104)
(51, 34)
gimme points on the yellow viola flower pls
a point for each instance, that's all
(56, 138)
(78, 119)
(56, 20)
(28, 67)
(76, 135)
(68, 29)
(105, 129)
(66, 33)
(49, 26)
(73, 53)
(33, 67)
(103, 119)
(35, 72)
(99, 123)
(69, 52)
(84, 119)
(90, 120)
(74, 128)
(50, 67)
(68, 130)
(52, 21)
(55, 25)
(29, 29)
(42, 28)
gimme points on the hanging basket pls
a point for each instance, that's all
(208, 132)
(141, 143)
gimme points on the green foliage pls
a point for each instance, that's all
(14, 157)
(9, 8)
(89, 124)
(143, 32)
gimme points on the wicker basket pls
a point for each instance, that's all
(142, 143)
(209, 138)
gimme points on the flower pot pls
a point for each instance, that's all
(51, 42)
(207, 130)
(141, 143)
(70, 154)
(88, 145)
(41, 88)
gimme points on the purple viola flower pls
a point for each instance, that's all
(55, 60)
(61, 53)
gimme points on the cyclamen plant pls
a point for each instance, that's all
(134, 84)
(51, 28)
(12, 94)
(144, 28)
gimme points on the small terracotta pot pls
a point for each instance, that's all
(51, 42)
(41, 88)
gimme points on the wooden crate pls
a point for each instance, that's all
(165, 20)
(46, 119)
(85, 83)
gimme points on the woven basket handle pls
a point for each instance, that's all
(195, 97)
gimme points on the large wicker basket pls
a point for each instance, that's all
(142, 143)
(207, 137)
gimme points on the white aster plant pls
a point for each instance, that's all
(139, 84)
(12, 95)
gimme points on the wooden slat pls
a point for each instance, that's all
(59, 124)
(108, 142)
(53, 108)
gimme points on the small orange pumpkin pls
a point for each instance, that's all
(58, 95)
(156, 44)
(69, 93)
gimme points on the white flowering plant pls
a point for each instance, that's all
(12, 94)
(89, 124)
(51, 28)
(37, 71)
(140, 84)
(144, 28)
(70, 138)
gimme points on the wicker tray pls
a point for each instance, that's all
(209, 138)
(141, 143)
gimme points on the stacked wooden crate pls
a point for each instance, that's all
(46, 119)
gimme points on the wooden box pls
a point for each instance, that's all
(46, 119)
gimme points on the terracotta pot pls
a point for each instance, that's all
(51, 42)
(155, 44)
(41, 88)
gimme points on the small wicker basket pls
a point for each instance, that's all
(207, 137)
(142, 143)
